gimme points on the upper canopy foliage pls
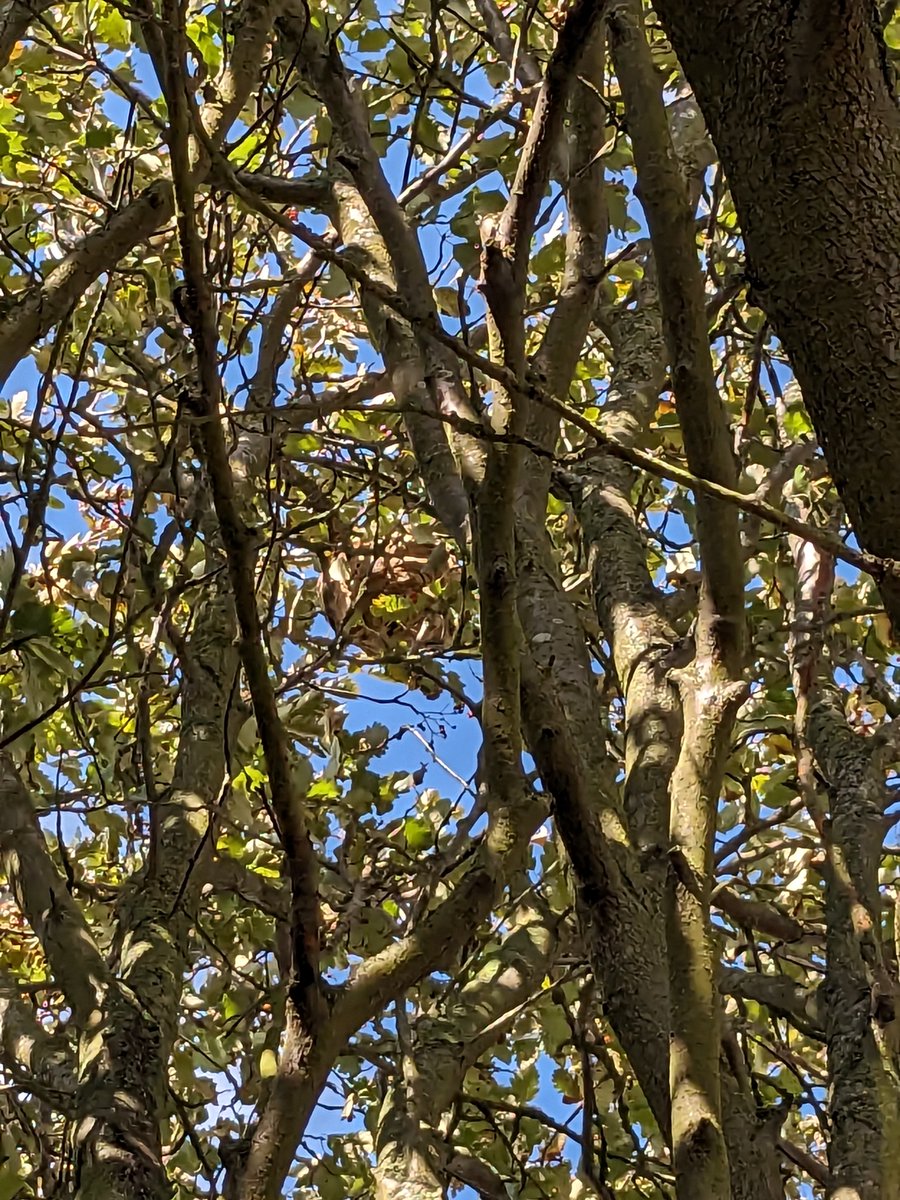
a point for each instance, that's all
(177, 787)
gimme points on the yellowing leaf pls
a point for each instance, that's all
(882, 624)
(778, 741)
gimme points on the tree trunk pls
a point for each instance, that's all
(860, 992)
(799, 104)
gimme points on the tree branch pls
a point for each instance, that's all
(879, 568)
(42, 896)
(402, 267)
(754, 914)
(710, 687)
(496, 30)
(506, 245)
(14, 24)
(780, 994)
(303, 988)
(833, 106)
(37, 1061)
(861, 994)
(860, 998)
(664, 198)
(43, 306)
(443, 1048)
(304, 1067)
(586, 235)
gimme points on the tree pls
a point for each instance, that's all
(798, 167)
(447, 719)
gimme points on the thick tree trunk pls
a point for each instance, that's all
(803, 115)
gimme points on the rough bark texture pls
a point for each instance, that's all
(857, 1003)
(861, 996)
(804, 118)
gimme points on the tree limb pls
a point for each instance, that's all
(497, 32)
(36, 1060)
(303, 988)
(710, 687)
(805, 149)
(43, 306)
(879, 568)
(15, 20)
(45, 901)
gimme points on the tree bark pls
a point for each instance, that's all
(710, 685)
(858, 1000)
(799, 104)
(410, 1162)
(860, 994)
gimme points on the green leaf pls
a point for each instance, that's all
(32, 618)
(797, 424)
(418, 833)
